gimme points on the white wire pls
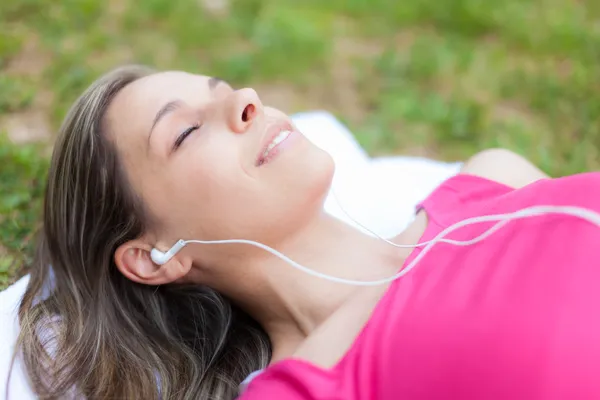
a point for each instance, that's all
(412, 246)
(502, 219)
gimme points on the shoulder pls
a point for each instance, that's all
(503, 166)
(486, 179)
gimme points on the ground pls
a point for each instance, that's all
(441, 78)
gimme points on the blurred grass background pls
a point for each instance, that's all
(438, 78)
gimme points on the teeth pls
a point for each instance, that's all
(278, 139)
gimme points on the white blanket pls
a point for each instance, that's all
(379, 193)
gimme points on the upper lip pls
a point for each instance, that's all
(271, 133)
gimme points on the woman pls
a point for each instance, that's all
(145, 159)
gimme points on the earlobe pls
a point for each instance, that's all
(133, 260)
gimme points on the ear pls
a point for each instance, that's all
(133, 260)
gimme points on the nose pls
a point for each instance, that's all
(244, 108)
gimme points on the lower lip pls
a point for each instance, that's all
(274, 152)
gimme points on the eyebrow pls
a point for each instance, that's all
(213, 82)
(174, 104)
(164, 110)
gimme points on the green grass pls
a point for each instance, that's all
(21, 188)
(438, 77)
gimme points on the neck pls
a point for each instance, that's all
(291, 304)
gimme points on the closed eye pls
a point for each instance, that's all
(184, 135)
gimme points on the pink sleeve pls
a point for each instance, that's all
(281, 389)
(291, 380)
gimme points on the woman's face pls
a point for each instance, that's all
(202, 158)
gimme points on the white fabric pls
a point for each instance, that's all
(380, 193)
(9, 329)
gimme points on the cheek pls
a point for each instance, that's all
(214, 192)
(215, 198)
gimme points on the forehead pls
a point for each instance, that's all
(136, 105)
(154, 90)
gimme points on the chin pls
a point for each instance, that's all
(323, 171)
(295, 196)
(315, 178)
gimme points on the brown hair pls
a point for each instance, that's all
(95, 333)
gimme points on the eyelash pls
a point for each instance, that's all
(184, 135)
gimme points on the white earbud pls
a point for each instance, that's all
(160, 258)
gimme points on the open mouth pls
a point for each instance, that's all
(276, 140)
(272, 147)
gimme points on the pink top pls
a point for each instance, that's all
(516, 316)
